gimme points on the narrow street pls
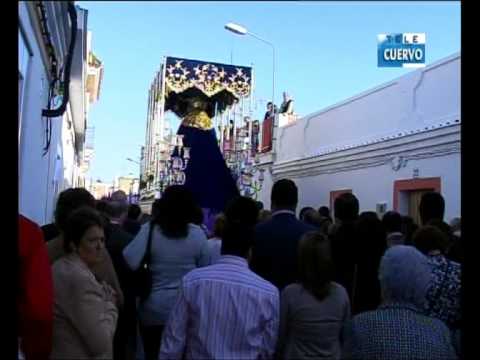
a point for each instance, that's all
(239, 180)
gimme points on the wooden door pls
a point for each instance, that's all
(414, 198)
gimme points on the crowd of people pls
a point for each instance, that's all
(263, 284)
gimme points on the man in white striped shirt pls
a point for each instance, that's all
(225, 311)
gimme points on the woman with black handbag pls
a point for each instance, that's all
(161, 254)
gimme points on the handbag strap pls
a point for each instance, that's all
(148, 250)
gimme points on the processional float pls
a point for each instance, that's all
(207, 97)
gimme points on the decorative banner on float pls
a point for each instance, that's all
(221, 84)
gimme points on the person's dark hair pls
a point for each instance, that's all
(101, 205)
(441, 225)
(155, 209)
(369, 244)
(70, 200)
(445, 229)
(371, 236)
(432, 206)
(325, 224)
(175, 211)
(284, 194)
(346, 207)
(428, 238)
(219, 226)
(134, 212)
(408, 229)
(301, 214)
(79, 221)
(145, 219)
(456, 224)
(264, 215)
(312, 217)
(119, 195)
(197, 215)
(241, 217)
(324, 211)
(259, 205)
(369, 215)
(392, 222)
(455, 251)
(116, 209)
(315, 271)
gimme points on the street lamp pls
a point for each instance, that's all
(134, 161)
(139, 164)
(240, 30)
(237, 29)
(246, 173)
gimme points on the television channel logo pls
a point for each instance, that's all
(401, 50)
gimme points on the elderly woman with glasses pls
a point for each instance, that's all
(85, 311)
(398, 329)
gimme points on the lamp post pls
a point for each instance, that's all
(240, 30)
(134, 161)
(139, 164)
(246, 171)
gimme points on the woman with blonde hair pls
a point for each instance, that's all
(314, 311)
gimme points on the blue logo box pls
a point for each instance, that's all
(401, 50)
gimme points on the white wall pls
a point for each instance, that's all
(41, 178)
(420, 98)
(375, 185)
(425, 98)
(35, 170)
(264, 194)
(68, 143)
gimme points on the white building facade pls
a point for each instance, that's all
(387, 145)
(157, 131)
(45, 172)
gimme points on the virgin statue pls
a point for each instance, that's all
(207, 174)
(196, 91)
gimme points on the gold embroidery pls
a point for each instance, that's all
(199, 119)
(208, 78)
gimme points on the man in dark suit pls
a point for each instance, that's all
(116, 239)
(343, 236)
(274, 252)
(132, 223)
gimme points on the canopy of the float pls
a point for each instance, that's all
(219, 85)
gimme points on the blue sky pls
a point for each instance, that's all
(326, 52)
